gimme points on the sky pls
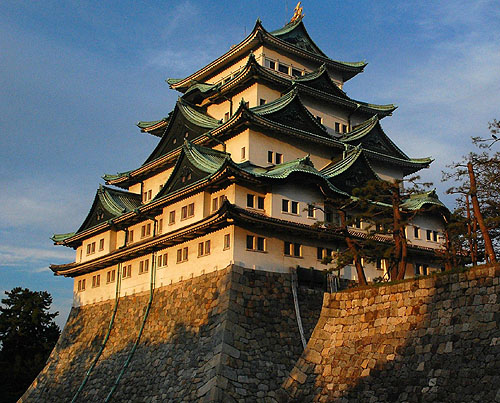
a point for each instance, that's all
(76, 76)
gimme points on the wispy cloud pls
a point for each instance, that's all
(16, 256)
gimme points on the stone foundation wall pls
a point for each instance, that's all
(434, 339)
(230, 335)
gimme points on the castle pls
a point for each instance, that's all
(182, 282)
(259, 142)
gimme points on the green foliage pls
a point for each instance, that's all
(27, 335)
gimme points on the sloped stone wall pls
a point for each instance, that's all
(230, 335)
(434, 339)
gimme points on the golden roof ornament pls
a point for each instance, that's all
(297, 13)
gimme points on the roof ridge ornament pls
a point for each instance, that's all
(297, 13)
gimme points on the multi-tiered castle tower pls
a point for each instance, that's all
(257, 144)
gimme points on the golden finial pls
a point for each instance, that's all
(297, 13)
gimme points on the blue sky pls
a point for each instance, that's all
(75, 77)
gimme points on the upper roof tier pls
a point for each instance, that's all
(292, 39)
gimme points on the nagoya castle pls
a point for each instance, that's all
(198, 272)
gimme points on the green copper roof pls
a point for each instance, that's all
(204, 158)
(296, 34)
(145, 124)
(196, 116)
(419, 200)
(202, 87)
(61, 237)
(173, 81)
(110, 177)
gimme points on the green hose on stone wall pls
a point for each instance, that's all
(89, 371)
(134, 347)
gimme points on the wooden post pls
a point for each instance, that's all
(479, 217)
(472, 241)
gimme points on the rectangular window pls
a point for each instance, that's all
(435, 236)
(215, 204)
(182, 254)
(250, 244)
(127, 271)
(146, 230)
(310, 211)
(171, 217)
(319, 253)
(184, 212)
(429, 235)
(150, 194)
(328, 216)
(261, 244)
(143, 266)
(160, 225)
(110, 276)
(145, 197)
(344, 128)
(179, 255)
(288, 249)
(357, 223)
(319, 119)
(81, 285)
(279, 158)
(283, 68)
(101, 244)
(296, 72)
(204, 248)
(250, 200)
(190, 209)
(226, 116)
(270, 157)
(416, 232)
(260, 202)
(379, 264)
(227, 241)
(222, 199)
(297, 249)
(88, 249)
(271, 64)
(262, 101)
(285, 205)
(162, 260)
(131, 236)
(96, 281)
(243, 153)
(337, 127)
(295, 207)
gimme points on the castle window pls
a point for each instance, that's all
(261, 244)
(271, 64)
(160, 225)
(226, 116)
(187, 211)
(337, 127)
(262, 101)
(296, 72)
(293, 249)
(227, 241)
(435, 236)
(270, 157)
(256, 243)
(260, 202)
(243, 153)
(222, 199)
(96, 281)
(279, 158)
(146, 230)
(91, 248)
(182, 255)
(344, 128)
(319, 119)
(162, 260)
(416, 232)
(357, 223)
(319, 253)
(143, 266)
(147, 195)
(429, 235)
(215, 204)
(285, 205)
(101, 244)
(110, 276)
(204, 248)
(379, 264)
(288, 249)
(81, 285)
(127, 271)
(310, 211)
(283, 68)
(171, 217)
(131, 236)
(250, 200)
(295, 207)
(100, 215)
(421, 269)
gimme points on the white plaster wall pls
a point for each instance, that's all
(153, 183)
(109, 245)
(387, 172)
(425, 223)
(328, 112)
(218, 259)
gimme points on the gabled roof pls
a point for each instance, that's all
(154, 127)
(418, 201)
(108, 204)
(378, 145)
(352, 171)
(291, 38)
(185, 118)
(289, 110)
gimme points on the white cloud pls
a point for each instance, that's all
(16, 256)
